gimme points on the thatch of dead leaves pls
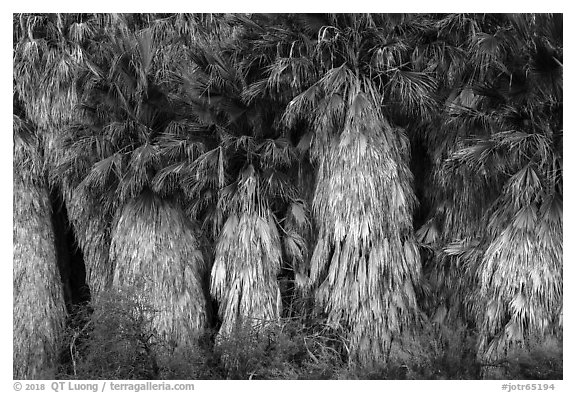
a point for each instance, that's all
(248, 257)
(365, 266)
(520, 274)
(155, 253)
(366, 263)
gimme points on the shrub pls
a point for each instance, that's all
(287, 349)
(433, 352)
(539, 359)
(115, 339)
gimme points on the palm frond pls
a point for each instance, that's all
(277, 153)
(415, 90)
(101, 172)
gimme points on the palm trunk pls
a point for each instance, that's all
(39, 310)
(92, 230)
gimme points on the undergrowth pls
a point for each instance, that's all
(115, 339)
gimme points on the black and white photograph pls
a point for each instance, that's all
(287, 196)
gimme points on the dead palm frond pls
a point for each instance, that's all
(247, 260)
(155, 253)
(521, 286)
(365, 263)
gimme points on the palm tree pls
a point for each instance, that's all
(365, 266)
(247, 259)
(239, 187)
(39, 311)
(43, 71)
(112, 152)
(49, 50)
(500, 180)
(521, 287)
(457, 203)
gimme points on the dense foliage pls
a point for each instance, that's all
(378, 177)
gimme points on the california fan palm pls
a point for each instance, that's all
(247, 244)
(499, 206)
(522, 285)
(365, 265)
(39, 311)
(240, 188)
(51, 51)
(43, 99)
(120, 142)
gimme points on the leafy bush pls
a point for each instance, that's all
(287, 349)
(540, 359)
(433, 352)
(115, 339)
